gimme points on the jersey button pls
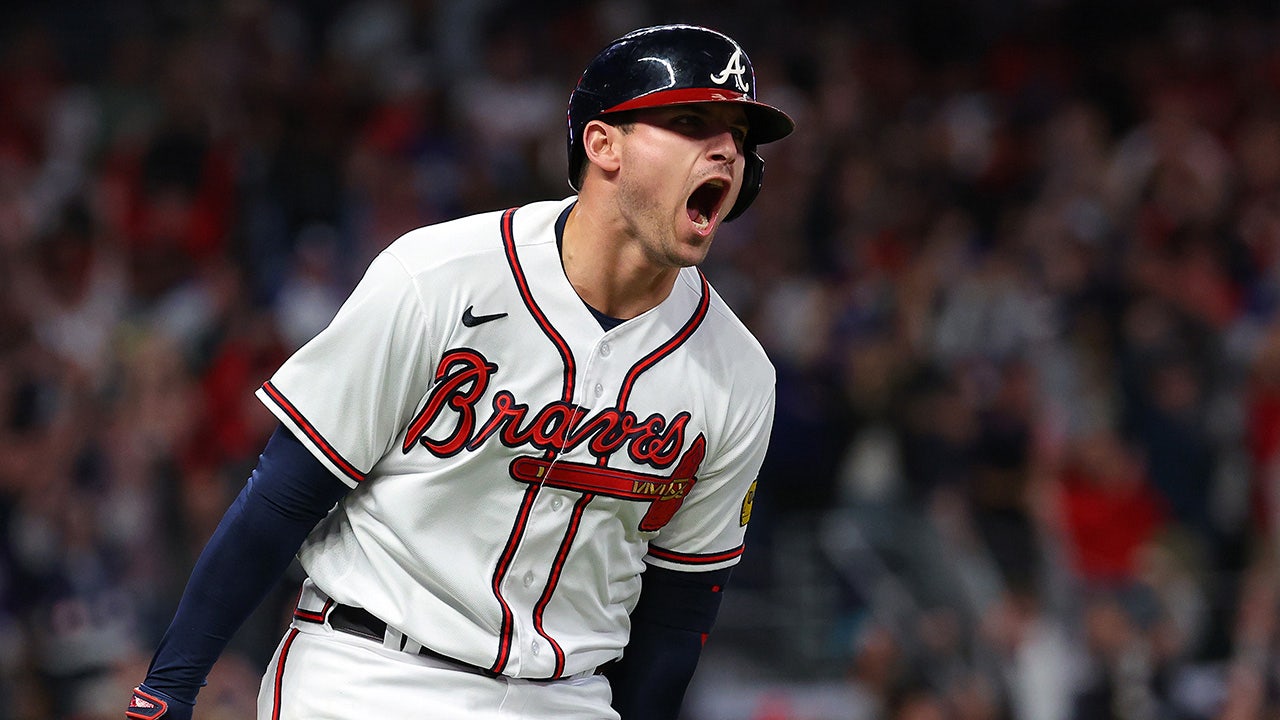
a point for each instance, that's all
(599, 389)
(528, 579)
(605, 349)
(536, 647)
(556, 503)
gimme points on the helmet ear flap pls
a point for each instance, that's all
(752, 180)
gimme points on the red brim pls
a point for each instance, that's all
(768, 123)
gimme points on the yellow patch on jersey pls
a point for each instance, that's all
(747, 501)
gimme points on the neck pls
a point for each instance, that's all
(608, 267)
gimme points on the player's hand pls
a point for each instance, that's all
(148, 704)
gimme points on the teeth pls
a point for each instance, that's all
(696, 213)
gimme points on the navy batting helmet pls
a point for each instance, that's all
(675, 65)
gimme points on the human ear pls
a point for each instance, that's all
(599, 141)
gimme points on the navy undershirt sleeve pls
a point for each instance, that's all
(671, 621)
(287, 494)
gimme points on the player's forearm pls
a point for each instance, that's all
(233, 574)
(649, 682)
(671, 621)
(252, 547)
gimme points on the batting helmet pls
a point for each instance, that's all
(675, 65)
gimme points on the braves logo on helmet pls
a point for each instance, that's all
(736, 69)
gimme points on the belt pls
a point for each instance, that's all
(361, 622)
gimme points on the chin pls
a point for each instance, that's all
(693, 252)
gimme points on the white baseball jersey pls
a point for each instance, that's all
(514, 465)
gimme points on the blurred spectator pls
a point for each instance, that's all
(1109, 511)
(75, 292)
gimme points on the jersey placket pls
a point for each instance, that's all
(548, 538)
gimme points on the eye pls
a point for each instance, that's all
(688, 120)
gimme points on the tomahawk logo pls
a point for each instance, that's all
(737, 69)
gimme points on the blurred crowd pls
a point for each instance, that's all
(1018, 269)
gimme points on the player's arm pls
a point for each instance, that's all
(287, 494)
(672, 619)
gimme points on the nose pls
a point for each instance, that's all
(723, 147)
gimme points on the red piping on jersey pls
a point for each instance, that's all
(522, 283)
(666, 348)
(695, 558)
(553, 580)
(566, 354)
(504, 564)
(306, 427)
(279, 679)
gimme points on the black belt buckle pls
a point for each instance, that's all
(357, 621)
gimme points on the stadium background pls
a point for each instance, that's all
(1018, 268)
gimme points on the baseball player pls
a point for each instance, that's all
(518, 466)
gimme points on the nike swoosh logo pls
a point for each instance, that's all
(471, 320)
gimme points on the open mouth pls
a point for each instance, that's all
(704, 203)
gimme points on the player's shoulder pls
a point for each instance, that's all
(726, 335)
(474, 237)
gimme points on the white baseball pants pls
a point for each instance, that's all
(318, 673)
